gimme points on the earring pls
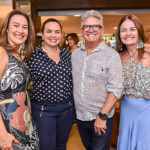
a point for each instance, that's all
(121, 47)
(140, 44)
(22, 51)
(22, 46)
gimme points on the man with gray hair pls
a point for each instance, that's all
(97, 79)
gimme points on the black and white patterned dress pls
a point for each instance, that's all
(15, 105)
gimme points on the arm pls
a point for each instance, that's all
(114, 89)
(147, 47)
(100, 125)
(6, 139)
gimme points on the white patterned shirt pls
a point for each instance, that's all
(94, 77)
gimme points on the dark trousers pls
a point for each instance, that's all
(90, 139)
(54, 122)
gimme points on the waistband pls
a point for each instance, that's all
(131, 99)
(67, 100)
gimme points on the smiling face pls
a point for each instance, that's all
(52, 34)
(71, 42)
(17, 30)
(128, 33)
(92, 36)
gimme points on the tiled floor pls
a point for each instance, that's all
(74, 142)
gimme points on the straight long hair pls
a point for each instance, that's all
(120, 47)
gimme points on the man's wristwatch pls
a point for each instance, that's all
(103, 116)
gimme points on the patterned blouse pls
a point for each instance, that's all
(15, 105)
(94, 77)
(136, 79)
(52, 82)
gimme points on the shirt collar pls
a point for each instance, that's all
(39, 49)
(97, 49)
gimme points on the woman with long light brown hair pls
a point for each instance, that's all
(17, 130)
(134, 129)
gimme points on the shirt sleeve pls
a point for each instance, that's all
(115, 78)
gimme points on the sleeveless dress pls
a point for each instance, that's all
(15, 105)
(134, 129)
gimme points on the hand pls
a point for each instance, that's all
(147, 47)
(6, 141)
(100, 125)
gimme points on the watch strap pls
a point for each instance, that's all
(102, 116)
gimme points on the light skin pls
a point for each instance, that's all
(52, 36)
(129, 37)
(93, 39)
(17, 34)
(71, 43)
(17, 30)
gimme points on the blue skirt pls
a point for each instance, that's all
(134, 130)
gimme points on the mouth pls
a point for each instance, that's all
(91, 35)
(53, 40)
(19, 36)
(129, 38)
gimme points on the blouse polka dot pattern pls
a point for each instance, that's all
(52, 82)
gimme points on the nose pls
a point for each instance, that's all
(53, 34)
(20, 29)
(128, 32)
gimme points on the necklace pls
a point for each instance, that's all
(17, 55)
(132, 55)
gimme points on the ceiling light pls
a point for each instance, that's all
(76, 15)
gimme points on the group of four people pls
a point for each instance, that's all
(96, 85)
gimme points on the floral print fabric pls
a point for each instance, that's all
(15, 105)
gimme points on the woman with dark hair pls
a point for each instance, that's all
(50, 68)
(72, 40)
(134, 131)
(17, 130)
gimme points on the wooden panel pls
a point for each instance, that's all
(90, 4)
(36, 21)
(14, 4)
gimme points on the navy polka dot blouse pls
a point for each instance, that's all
(52, 82)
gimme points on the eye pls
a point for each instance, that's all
(15, 25)
(122, 30)
(97, 26)
(86, 26)
(25, 27)
(57, 31)
(133, 29)
(49, 31)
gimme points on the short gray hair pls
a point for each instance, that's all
(92, 13)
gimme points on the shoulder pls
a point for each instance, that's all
(64, 50)
(36, 53)
(65, 53)
(37, 50)
(76, 52)
(110, 51)
(4, 61)
(35, 56)
(3, 53)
